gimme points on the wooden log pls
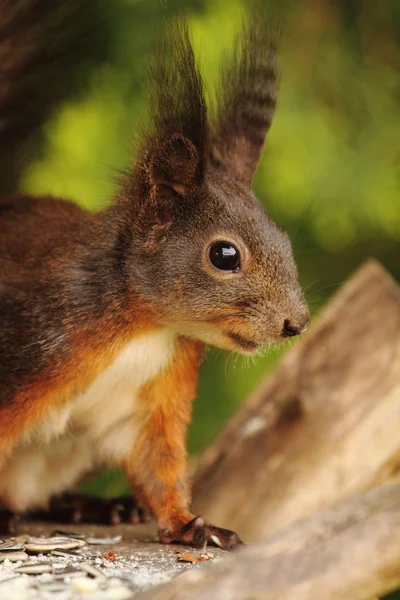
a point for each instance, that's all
(325, 426)
(350, 552)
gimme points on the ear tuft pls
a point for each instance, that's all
(174, 165)
(172, 153)
(247, 99)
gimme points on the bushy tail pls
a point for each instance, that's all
(42, 43)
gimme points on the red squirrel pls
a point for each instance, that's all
(104, 315)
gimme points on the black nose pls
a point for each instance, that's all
(289, 330)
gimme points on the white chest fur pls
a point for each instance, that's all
(96, 426)
(106, 409)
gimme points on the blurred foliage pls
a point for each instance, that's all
(330, 173)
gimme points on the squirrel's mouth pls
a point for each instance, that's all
(244, 343)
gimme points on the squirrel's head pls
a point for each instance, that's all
(205, 255)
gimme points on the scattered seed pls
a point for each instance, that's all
(31, 568)
(68, 572)
(105, 540)
(20, 538)
(13, 556)
(54, 587)
(36, 545)
(11, 546)
(5, 581)
(69, 534)
(77, 572)
(92, 571)
(84, 585)
(66, 553)
(118, 593)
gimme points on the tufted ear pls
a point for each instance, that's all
(173, 151)
(174, 165)
(246, 101)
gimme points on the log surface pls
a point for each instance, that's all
(349, 552)
(322, 428)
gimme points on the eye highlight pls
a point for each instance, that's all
(224, 256)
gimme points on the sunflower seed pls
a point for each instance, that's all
(69, 534)
(11, 546)
(54, 587)
(13, 556)
(92, 571)
(84, 585)
(118, 593)
(67, 553)
(36, 545)
(5, 581)
(68, 572)
(105, 540)
(31, 568)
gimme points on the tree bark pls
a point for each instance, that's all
(350, 552)
(322, 428)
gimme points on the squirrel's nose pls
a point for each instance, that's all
(289, 329)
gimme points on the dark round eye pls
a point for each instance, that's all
(225, 256)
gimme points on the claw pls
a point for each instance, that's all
(215, 540)
(197, 533)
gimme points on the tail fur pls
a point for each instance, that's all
(41, 47)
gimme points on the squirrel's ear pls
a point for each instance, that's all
(173, 153)
(246, 101)
(174, 164)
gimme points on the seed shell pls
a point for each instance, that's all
(32, 568)
(103, 540)
(11, 546)
(36, 545)
(6, 581)
(84, 585)
(68, 572)
(67, 553)
(69, 534)
(92, 571)
(54, 587)
(13, 556)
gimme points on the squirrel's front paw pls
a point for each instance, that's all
(197, 533)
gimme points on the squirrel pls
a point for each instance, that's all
(104, 315)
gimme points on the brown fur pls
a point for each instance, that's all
(76, 287)
(41, 44)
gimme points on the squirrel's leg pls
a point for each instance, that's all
(75, 507)
(156, 466)
(8, 521)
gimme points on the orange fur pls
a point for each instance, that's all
(156, 467)
(88, 361)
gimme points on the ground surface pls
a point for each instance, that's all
(101, 569)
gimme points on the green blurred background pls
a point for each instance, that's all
(330, 171)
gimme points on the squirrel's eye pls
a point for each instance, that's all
(225, 256)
